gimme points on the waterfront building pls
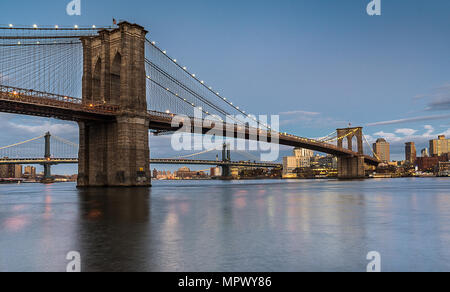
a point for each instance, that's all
(328, 161)
(30, 172)
(289, 166)
(301, 159)
(301, 152)
(11, 171)
(439, 146)
(410, 153)
(186, 173)
(427, 164)
(443, 169)
(215, 172)
(382, 150)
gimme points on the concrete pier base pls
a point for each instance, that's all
(351, 167)
(114, 154)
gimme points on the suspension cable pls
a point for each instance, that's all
(202, 83)
(21, 143)
(371, 149)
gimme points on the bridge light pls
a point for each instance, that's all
(35, 26)
(184, 68)
(164, 52)
(175, 60)
(75, 26)
(94, 26)
(56, 26)
(193, 75)
(18, 43)
(11, 26)
(153, 43)
(202, 82)
(167, 112)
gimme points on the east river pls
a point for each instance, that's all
(267, 225)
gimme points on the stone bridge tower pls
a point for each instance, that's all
(351, 167)
(115, 152)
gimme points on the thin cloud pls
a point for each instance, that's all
(406, 132)
(397, 140)
(439, 105)
(299, 112)
(53, 128)
(439, 100)
(410, 120)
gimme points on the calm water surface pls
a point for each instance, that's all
(311, 225)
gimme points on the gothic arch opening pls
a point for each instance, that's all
(355, 143)
(345, 143)
(115, 78)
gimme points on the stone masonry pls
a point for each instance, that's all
(115, 153)
(351, 167)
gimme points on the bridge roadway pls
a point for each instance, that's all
(24, 161)
(35, 103)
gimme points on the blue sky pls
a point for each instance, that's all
(319, 64)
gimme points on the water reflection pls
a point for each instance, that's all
(228, 226)
(114, 228)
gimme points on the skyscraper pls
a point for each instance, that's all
(382, 150)
(410, 152)
(11, 171)
(440, 146)
(300, 152)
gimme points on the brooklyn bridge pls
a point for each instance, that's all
(119, 86)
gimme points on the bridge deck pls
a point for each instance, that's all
(36, 103)
(152, 161)
(29, 102)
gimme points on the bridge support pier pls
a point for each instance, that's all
(226, 157)
(351, 167)
(226, 172)
(114, 154)
(47, 166)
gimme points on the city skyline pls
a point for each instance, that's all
(230, 136)
(387, 64)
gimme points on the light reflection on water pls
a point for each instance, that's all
(306, 225)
